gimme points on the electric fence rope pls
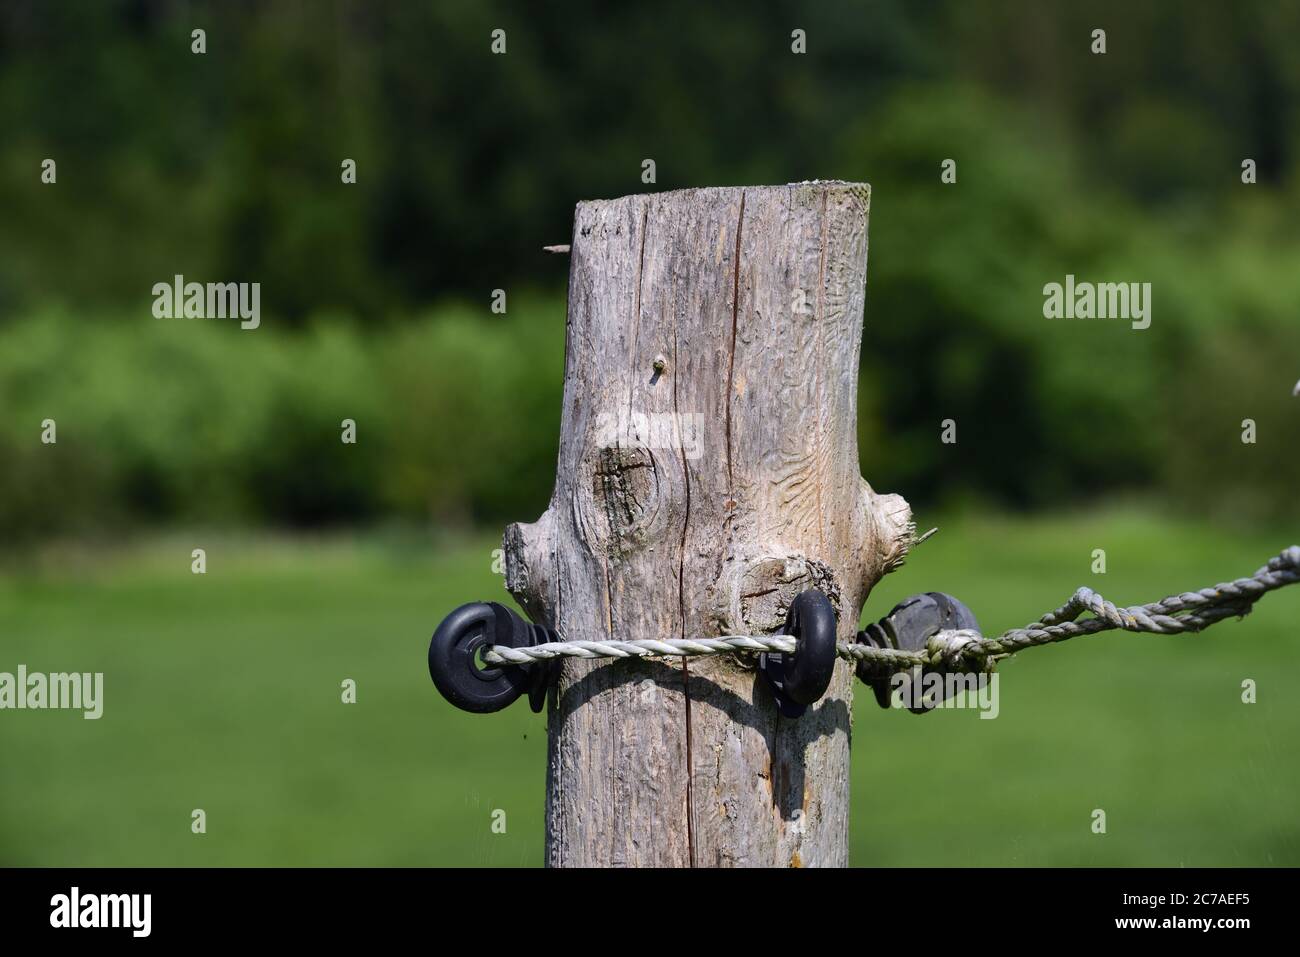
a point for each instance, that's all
(965, 650)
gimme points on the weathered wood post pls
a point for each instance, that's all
(708, 473)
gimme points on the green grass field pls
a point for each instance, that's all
(222, 692)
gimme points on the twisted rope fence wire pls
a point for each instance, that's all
(966, 650)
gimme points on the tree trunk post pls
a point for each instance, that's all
(708, 473)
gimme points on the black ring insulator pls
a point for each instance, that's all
(800, 679)
(453, 657)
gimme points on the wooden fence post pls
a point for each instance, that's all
(708, 472)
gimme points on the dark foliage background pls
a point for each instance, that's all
(225, 166)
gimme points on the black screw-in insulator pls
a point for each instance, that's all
(909, 626)
(801, 679)
(471, 686)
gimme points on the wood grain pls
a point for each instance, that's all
(722, 327)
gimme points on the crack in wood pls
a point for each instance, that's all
(773, 503)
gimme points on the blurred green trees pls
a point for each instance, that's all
(457, 417)
(226, 166)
